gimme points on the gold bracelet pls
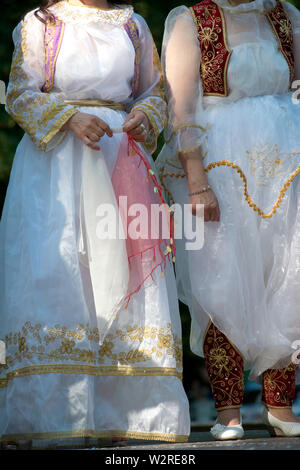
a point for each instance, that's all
(202, 190)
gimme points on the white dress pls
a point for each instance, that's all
(63, 378)
(246, 277)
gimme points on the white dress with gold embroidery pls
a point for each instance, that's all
(60, 380)
(246, 277)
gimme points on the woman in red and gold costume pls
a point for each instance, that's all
(233, 144)
(89, 318)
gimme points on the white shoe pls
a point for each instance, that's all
(226, 433)
(276, 427)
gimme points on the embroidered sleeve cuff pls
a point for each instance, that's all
(54, 135)
(156, 112)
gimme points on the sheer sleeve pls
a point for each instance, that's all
(41, 115)
(150, 97)
(294, 16)
(181, 58)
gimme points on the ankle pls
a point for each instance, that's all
(230, 417)
(284, 414)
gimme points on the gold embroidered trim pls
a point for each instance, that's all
(276, 407)
(226, 47)
(186, 126)
(225, 368)
(98, 103)
(190, 149)
(233, 407)
(155, 436)
(56, 127)
(48, 85)
(246, 194)
(233, 345)
(243, 177)
(286, 35)
(149, 110)
(33, 112)
(95, 371)
(229, 55)
(278, 387)
(84, 14)
(77, 350)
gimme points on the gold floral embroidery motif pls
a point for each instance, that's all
(225, 367)
(267, 162)
(134, 345)
(282, 28)
(215, 53)
(279, 387)
(33, 110)
(75, 12)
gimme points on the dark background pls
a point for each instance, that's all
(155, 12)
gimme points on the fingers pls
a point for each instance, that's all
(100, 127)
(105, 128)
(214, 213)
(89, 143)
(131, 123)
(136, 129)
(139, 134)
(93, 136)
(211, 211)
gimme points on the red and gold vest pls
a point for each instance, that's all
(215, 53)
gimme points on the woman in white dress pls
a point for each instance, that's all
(233, 144)
(92, 331)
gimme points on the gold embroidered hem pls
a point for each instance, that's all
(234, 407)
(97, 434)
(56, 347)
(40, 369)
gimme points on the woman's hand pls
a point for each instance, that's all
(211, 205)
(137, 126)
(88, 128)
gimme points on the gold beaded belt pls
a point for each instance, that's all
(100, 103)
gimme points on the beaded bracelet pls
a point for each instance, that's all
(203, 190)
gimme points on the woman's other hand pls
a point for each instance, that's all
(211, 205)
(137, 126)
(88, 128)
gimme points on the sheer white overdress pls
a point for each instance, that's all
(60, 380)
(246, 277)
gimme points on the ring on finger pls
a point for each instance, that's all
(142, 126)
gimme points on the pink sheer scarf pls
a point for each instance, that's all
(134, 178)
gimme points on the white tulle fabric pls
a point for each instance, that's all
(246, 277)
(61, 377)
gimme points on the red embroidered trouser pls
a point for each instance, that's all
(225, 367)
